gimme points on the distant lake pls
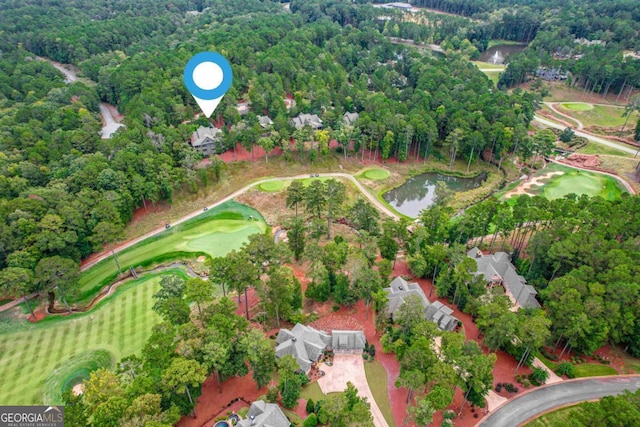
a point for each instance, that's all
(419, 192)
(498, 53)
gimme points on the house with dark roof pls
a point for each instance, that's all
(302, 120)
(306, 344)
(349, 119)
(205, 140)
(262, 414)
(399, 290)
(498, 271)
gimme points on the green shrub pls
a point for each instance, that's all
(449, 415)
(311, 421)
(272, 394)
(311, 406)
(539, 376)
(566, 368)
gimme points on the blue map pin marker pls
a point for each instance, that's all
(208, 77)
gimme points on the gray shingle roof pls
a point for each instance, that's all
(347, 340)
(203, 136)
(264, 415)
(307, 119)
(436, 312)
(498, 268)
(304, 343)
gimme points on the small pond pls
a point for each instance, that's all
(498, 53)
(419, 192)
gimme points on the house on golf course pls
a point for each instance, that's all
(307, 344)
(399, 290)
(498, 271)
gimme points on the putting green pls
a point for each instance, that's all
(577, 106)
(213, 233)
(273, 186)
(375, 174)
(39, 361)
(580, 183)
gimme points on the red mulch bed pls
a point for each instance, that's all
(212, 404)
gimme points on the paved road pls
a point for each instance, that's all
(532, 404)
(596, 139)
(375, 202)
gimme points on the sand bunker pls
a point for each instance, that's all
(78, 389)
(525, 187)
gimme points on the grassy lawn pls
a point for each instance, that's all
(212, 233)
(312, 391)
(272, 186)
(494, 76)
(577, 106)
(593, 148)
(38, 360)
(597, 115)
(374, 174)
(578, 182)
(593, 370)
(582, 370)
(377, 379)
(488, 65)
(559, 417)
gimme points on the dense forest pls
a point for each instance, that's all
(64, 192)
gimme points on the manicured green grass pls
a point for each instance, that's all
(598, 115)
(377, 379)
(593, 148)
(577, 106)
(593, 370)
(273, 186)
(556, 418)
(494, 76)
(213, 233)
(488, 65)
(37, 361)
(312, 391)
(375, 174)
(578, 182)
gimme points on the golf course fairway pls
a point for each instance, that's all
(213, 233)
(37, 361)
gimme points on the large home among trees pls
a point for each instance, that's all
(399, 290)
(350, 118)
(498, 270)
(205, 140)
(265, 122)
(262, 414)
(307, 344)
(302, 120)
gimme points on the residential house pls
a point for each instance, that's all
(262, 414)
(350, 118)
(307, 344)
(205, 140)
(348, 341)
(302, 120)
(498, 270)
(399, 289)
(304, 343)
(265, 122)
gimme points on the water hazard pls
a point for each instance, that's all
(498, 53)
(419, 192)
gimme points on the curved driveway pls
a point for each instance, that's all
(375, 202)
(542, 399)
